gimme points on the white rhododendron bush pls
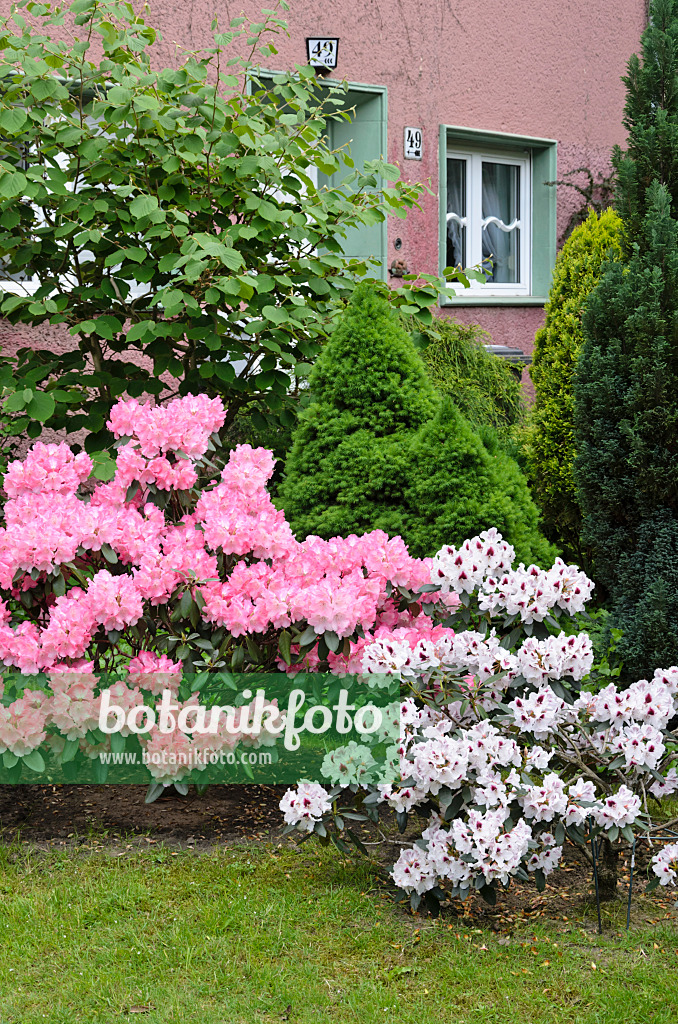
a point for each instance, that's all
(509, 743)
(179, 564)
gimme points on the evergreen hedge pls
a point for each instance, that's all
(378, 448)
(551, 445)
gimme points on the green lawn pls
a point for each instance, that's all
(265, 934)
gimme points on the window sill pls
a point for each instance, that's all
(493, 300)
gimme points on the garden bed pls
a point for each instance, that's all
(117, 820)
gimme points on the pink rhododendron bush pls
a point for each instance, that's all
(180, 564)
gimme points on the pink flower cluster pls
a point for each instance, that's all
(332, 585)
(183, 425)
(48, 468)
(22, 724)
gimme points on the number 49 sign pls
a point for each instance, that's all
(414, 144)
(322, 52)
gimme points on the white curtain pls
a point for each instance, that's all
(456, 205)
(501, 191)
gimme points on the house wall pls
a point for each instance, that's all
(546, 68)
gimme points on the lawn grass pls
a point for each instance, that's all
(266, 934)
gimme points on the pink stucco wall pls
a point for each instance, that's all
(530, 67)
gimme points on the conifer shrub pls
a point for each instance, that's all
(626, 383)
(626, 417)
(485, 388)
(462, 482)
(550, 445)
(378, 448)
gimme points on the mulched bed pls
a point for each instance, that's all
(56, 816)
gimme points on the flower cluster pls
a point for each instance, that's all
(489, 732)
(305, 806)
(479, 749)
(273, 582)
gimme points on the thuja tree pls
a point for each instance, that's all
(557, 344)
(485, 388)
(378, 448)
(627, 438)
(627, 379)
(170, 218)
(650, 118)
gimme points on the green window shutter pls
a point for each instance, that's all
(365, 136)
(442, 190)
(543, 218)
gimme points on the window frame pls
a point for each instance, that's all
(475, 157)
(538, 243)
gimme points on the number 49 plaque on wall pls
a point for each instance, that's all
(414, 144)
(322, 52)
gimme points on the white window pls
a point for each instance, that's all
(488, 217)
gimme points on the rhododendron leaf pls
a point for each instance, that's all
(489, 892)
(117, 742)
(371, 799)
(9, 759)
(284, 646)
(155, 790)
(99, 771)
(109, 554)
(34, 760)
(576, 834)
(308, 636)
(237, 659)
(331, 639)
(512, 639)
(59, 585)
(71, 748)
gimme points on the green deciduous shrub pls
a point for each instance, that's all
(551, 435)
(170, 217)
(378, 448)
